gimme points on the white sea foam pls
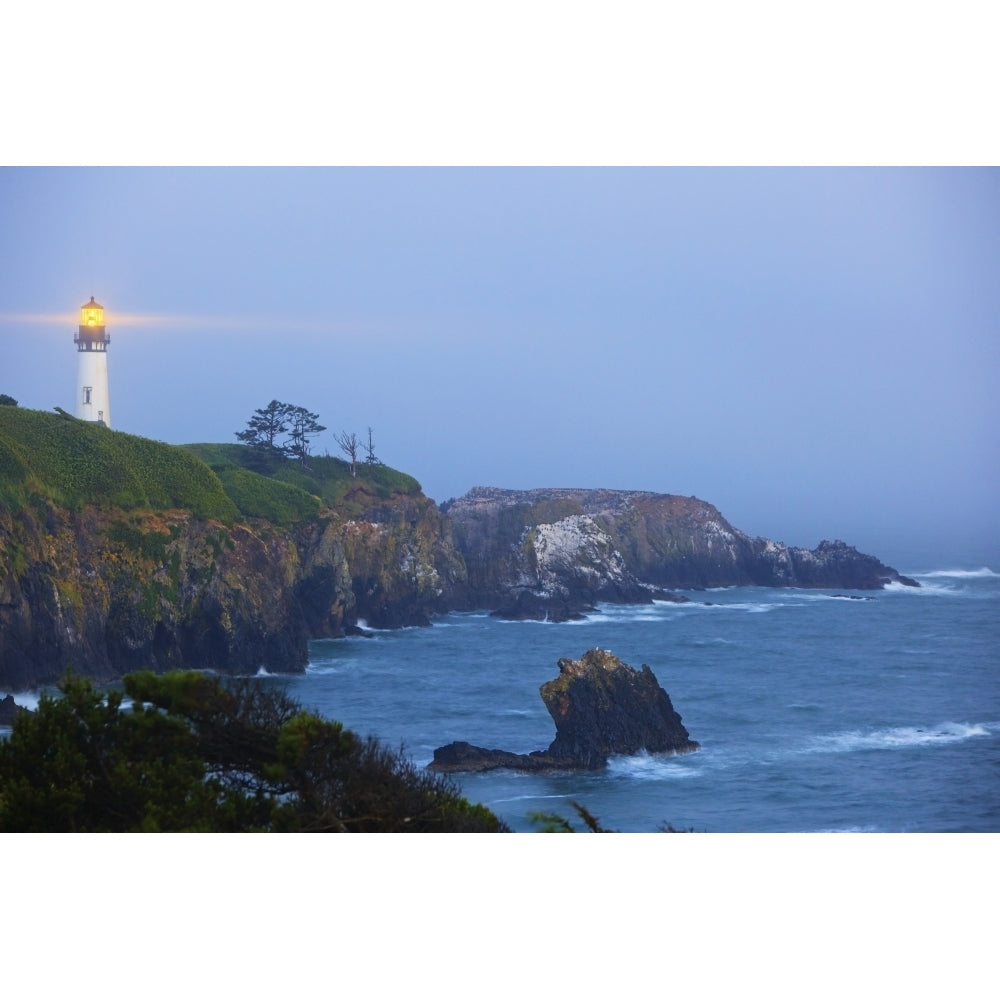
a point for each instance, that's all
(365, 627)
(331, 666)
(901, 737)
(655, 767)
(924, 590)
(546, 622)
(960, 574)
(528, 798)
(27, 699)
(847, 829)
(753, 607)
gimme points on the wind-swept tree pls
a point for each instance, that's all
(264, 428)
(302, 425)
(350, 444)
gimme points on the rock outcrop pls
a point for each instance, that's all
(402, 561)
(119, 553)
(601, 707)
(9, 710)
(556, 552)
(106, 591)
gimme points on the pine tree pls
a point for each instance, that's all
(302, 425)
(264, 428)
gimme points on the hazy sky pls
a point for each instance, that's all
(815, 351)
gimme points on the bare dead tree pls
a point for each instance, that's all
(349, 445)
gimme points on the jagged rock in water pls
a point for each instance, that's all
(9, 710)
(601, 707)
(461, 756)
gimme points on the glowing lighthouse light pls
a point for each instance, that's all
(92, 400)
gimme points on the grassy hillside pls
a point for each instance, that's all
(73, 463)
(322, 476)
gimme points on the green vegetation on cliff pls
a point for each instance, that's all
(193, 754)
(120, 553)
(73, 463)
(323, 477)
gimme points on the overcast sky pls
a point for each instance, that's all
(815, 351)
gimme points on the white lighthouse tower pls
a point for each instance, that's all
(92, 400)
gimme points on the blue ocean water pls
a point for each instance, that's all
(815, 710)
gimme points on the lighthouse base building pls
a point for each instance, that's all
(92, 400)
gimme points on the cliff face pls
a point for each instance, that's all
(108, 591)
(562, 549)
(402, 563)
(104, 593)
(118, 553)
(539, 553)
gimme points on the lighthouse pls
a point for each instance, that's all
(92, 400)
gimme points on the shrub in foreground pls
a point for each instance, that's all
(194, 754)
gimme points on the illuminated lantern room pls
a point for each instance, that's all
(92, 335)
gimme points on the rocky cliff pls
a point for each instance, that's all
(109, 591)
(601, 707)
(118, 553)
(556, 551)
(402, 561)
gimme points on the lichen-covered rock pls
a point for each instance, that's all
(532, 553)
(539, 554)
(402, 563)
(601, 707)
(105, 591)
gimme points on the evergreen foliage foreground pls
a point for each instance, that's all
(192, 754)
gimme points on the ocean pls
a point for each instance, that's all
(815, 710)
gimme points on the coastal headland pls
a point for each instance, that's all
(119, 553)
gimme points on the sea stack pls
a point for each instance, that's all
(601, 707)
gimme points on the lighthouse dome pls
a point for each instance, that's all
(92, 304)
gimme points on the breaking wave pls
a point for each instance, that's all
(753, 607)
(926, 589)
(655, 767)
(900, 737)
(847, 829)
(332, 665)
(26, 699)
(365, 627)
(958, 574)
